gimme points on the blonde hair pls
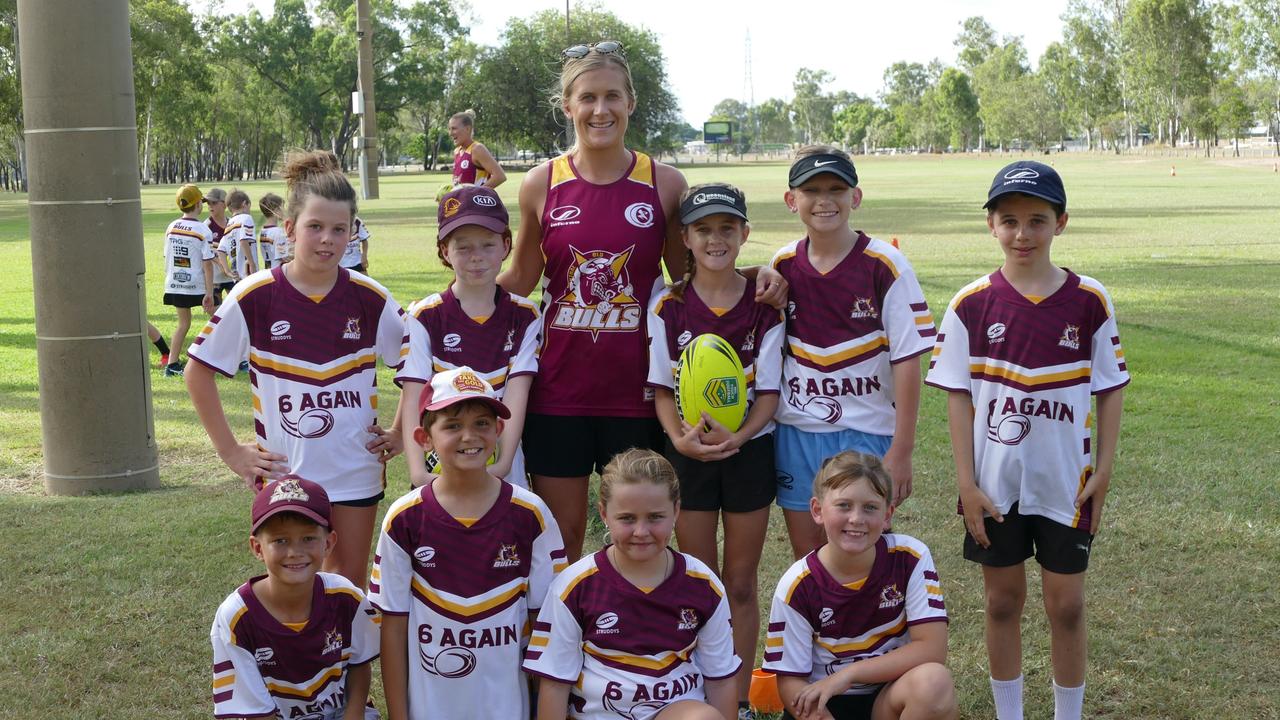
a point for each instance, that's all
(809, 150)
(691, 267)
(635, 466)
(315, 173)
(848, 467)
(270, 205)
(575, 68)
(466, 117)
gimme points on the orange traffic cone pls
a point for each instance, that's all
(895, 242)
(763, 694)
(1173, 171)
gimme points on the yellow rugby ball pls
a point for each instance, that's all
(710, 379)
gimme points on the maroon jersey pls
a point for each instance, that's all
(218, 232)
(603, 245)
(465, 170)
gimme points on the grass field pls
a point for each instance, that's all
(109, 599)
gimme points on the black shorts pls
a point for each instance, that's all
(577, 445)
(742, 482)
(1057, 547)
(182, 300)
(357, 268)
(362, 502)
(847, 707)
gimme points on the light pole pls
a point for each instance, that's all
(367, 140)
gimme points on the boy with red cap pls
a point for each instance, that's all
(462, 566)
(295, 642)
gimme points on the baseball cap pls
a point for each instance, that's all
(291, 494)
(189, 198)
(808, 167)
(471, 205)
(712, 199)
(1029, 178)
(215, 195)
(455, 386)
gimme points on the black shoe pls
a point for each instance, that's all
(173, 369)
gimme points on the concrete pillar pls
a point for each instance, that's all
(86, 246)
(369, 117)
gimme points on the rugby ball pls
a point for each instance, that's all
(433, 461)
(710, 379)
(445, 189)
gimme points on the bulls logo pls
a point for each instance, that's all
(864, 308)
(599, 297)
(1070, 337)
(688, 619)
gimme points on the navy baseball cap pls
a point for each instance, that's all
(471, 205)
(807, 167)
(712, 199)
(1029, 178)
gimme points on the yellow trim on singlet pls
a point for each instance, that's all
(466, 521)
(296, 627)
(561, 172)
(480, 319)
(718, 310)
(643, 170)
(1035, 299)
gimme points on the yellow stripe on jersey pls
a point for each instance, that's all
(705, 578)
(538, 641)
(663, 662)
(187, 233)
(1084, 478)
(367, 356)
(420, 305)
(972, 291)
(933, 589)
(369, 284)
(856, 584)
(1014, 375)
(863, 644)
(574, 582)
(1101, 298)
(561, 171)
(657, 309)
(795, 584)
(542, 523)
(784, 256)
(257, 403)
(355, 594)
(224, 681)
(464, 609)
(884, 259)
(643, 170)
(394, 513)
(905, 549)
(925, 319)
(235, 620)
(774, 642)
(404, 351)
(328, 676)
(836, 357)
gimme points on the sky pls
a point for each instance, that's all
(705, 43)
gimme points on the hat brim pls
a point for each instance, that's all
(495, 404)
(299, 509)
(484, 221)
(712, 209)
(831, 170)
(991, 200)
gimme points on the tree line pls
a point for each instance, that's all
(222, 96)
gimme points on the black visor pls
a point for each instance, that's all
(805, 168)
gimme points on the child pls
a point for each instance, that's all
(216, 199)
(188, 271)
(858, 628)
(240, 242)
(473, 323)
(462, 564)
(275, 243)
(856, 322)
(721, 471)
(1020, 352)
(312, 332)
(635, 630)
(294, 642)
(356, 255)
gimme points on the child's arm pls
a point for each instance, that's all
(771, 287)
(359, 678)
(245, 459)
(364, 255)
(973, 501)
(687, 439)
(928, 644)
(789, 686)
(722, 695)
(906, 403)
(1110, 406)
(249, 254)
(516, 398)
(553, 699)
(413, 452)
(206, 267)
(395, 665)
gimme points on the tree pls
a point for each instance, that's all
(853, 124)
(957, 108)
(12, 145)
(812, 106)
(774, 118)
(1167, 47)
(995, 81)
(976, 42)
(432, 62)
(905, 84)
(1262, 38)
(1092, 51)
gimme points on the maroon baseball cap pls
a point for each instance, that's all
(455, 386)
(471, 205)
(291, 494)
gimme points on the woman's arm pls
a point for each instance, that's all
(481, 156)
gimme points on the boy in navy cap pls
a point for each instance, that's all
(295, 642)
(1022, 352)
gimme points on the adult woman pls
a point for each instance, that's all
(473, 164)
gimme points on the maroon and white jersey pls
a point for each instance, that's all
(219, 277)
(468, 592)
(1031, 370)
(603, 245)
(352, 255)
(818, 625)
(275, 245)
(240, 243)
(465, 170)
(264, 669)
(312, 370)
(627, 653)
(755, 329)
(440, 336)
(188, 245)
(845, 328)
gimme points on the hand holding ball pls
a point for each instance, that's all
(710, 379)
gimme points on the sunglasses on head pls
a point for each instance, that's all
(577, 52)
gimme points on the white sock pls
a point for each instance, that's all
(1008, 696)
(1068, 703)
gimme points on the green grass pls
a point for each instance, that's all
(109, 599)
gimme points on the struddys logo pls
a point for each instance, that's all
(352, 329)
(599, 297)
(1070, 337)
(864, 308)
(424, 555)
(264, 656)
(827, 616)
(606, 623)
(890, 596)
(508, 557)
(332, 642)
(688, 619)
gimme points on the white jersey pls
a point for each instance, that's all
(627, 653)
(240, 230)
(275, 245)
(312, 370)
(817, 625)
(353, 256)
(845, 330)
(264, 669)
(467, 591)
(188, 245)
(1031, 370)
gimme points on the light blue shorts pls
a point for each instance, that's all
(799, 454)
